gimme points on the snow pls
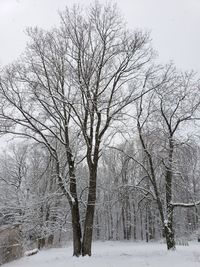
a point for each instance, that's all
(31, 252)
(116, 254)
(165, 222)
(185, 205)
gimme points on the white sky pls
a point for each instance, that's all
(174, 25)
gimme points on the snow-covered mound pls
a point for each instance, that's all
(116, 254)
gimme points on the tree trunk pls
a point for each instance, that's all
(169, 231)
(169, 235)
(50, 240)
(111, 234)
(124, 224)
(168, 223)
(147, 225)
(73, 202)
(97, 227)
(141, 225)
(76, 227)
(134, 223)
(128, 218)
(41, 243)
(89, 219)
(151, 225)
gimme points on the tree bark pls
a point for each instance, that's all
(76, 229)
(168, 229)
(134, 223)
(168, 223)
(76, 226)
(89, 219)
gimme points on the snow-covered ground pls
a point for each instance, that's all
(116, 254)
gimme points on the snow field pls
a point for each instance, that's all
(116, 254)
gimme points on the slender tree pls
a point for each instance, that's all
(171, 106)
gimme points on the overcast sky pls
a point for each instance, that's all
(174, 25)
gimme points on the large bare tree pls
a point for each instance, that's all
(107, 63)
(72, 84)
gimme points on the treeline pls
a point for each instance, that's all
(107, 146)
(126, 208)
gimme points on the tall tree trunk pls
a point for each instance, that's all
(151, 224)
(141, 225)
(168, 223)
(147, 225)
(76, 229)
(111, 234)
(168, 229)
(124, 224)
(97, 226)
(128, 218)
(75, 214)
(89, 219)
(134, 223)
(74, 205)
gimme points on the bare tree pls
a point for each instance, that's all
(71, 84)
(106, 62)
(33, 107)
(160, 121)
